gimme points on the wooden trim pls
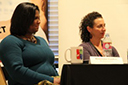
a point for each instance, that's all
(2, 77)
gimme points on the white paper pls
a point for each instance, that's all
(105, 60)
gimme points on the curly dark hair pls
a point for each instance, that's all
(88, 20)
(22, 18)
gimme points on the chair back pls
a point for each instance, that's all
(2, 77)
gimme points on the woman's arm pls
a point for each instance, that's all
(114, 52)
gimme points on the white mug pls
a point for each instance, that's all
(76, 55)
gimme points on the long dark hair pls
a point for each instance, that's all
(22, 18)
(88, 20)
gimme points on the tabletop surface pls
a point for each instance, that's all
(88, 74)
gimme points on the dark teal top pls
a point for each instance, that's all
(27, 63)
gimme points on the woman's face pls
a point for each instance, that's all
(35, 25)
(98, 30)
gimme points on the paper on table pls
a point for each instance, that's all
(105, 60)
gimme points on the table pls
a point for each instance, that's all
(83, 74)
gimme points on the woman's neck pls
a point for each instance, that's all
(96, 42)
(28, 36)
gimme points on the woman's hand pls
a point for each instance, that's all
(56, 80)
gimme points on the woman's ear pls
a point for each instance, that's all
(89, 29)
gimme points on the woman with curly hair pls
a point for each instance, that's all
(92, 30)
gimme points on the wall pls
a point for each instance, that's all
(115, 13)
(6, 11)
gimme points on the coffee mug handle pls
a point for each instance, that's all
(66, 55)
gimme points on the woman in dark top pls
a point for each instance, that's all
(92, 30)
(27, 58)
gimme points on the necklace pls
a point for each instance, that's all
(32, 39)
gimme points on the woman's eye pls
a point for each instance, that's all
(101, 26)
(37, 18)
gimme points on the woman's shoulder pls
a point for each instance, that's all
(41, 39)
(85, 44)
(113, 49)
(11, 39)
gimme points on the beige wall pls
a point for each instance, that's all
(115, 13)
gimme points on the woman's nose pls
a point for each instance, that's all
(103, 28)
(39, 21)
